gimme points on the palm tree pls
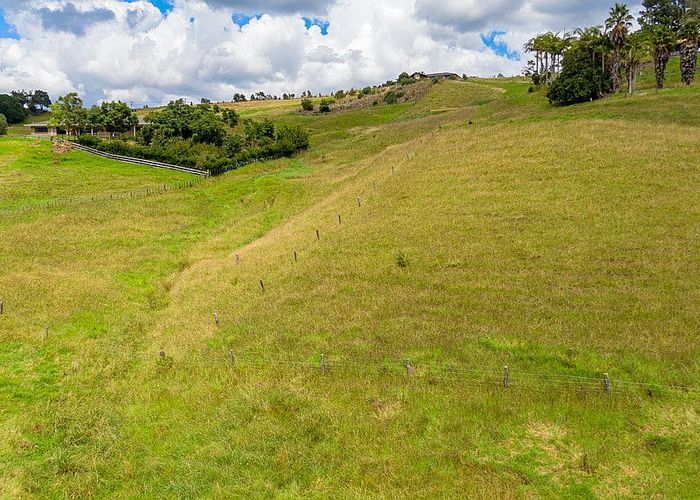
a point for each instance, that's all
(662, 41)
(617, 26)
(689, 40)
(636, 48)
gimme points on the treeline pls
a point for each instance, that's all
(18, 105)
(590, 62)
(203, 136)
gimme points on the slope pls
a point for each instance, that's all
(561, 243)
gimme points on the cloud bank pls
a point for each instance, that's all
(152, 51)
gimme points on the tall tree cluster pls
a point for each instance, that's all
(20, 104)
(612, 51)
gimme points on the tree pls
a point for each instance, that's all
(94, 119)
(69, 114)
(12, 108)
(39, 101)
(662, 42)
(666, 13)
(307, 104)
(617, 26)
(3, 125)
(581, 78)
(689, 39)
(636, 48)
(117, 117)
(208, 128)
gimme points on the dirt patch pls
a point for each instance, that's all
(61, 148)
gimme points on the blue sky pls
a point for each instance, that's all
(499, 47)
(6, 30)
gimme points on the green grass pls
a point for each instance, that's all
(559, 241)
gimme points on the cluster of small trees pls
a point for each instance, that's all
(20, 104)
(590, 62)
(70, 114)
(205, 136)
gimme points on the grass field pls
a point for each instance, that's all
(490, 230)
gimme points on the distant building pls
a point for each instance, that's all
(420, 75)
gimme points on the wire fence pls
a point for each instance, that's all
(102, 197)
(434, 372)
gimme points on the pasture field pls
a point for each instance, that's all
(478, 228)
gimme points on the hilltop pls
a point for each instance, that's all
(469, 228)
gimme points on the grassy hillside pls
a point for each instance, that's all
(490, 230)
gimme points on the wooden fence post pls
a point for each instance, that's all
(505, 376)
(318, 235)
(408, 367)
(359, 202)
(323, 364)
(262, 286)
(296, 258)
(606, 383)
(232, 358)
(340, 221)
(216, 318)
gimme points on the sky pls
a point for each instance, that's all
(153, 51)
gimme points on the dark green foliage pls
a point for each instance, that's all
(12, 108)
(391, 97)
(208, 128)
(666, 13)
(291, 139)
(3, 125)
(580, 80)
(262, 140)
(339, 95)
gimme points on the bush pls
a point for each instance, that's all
(3, 125)
(307, 105)
(581, 79)
(89, 141)
(325, 106)
(292, 139)
(573, 88)
(391, 97)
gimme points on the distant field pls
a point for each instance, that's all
(491, 230)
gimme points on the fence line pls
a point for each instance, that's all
(119, 195)
(140, 161)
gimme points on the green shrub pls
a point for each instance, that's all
(391, 97)
(325, 106)
(574, 87)
(581, 79)
(3, 125)
(307, 105)
(89, 140)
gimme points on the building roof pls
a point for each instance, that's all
(434, 75)
(37, 124)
